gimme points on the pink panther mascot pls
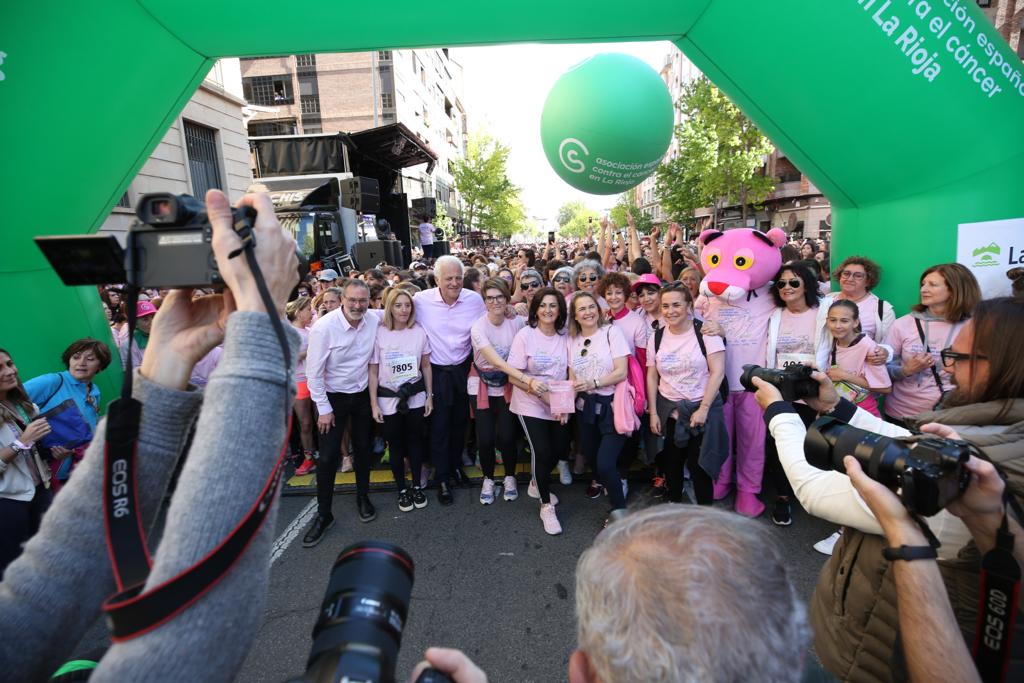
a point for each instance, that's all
(738, 266)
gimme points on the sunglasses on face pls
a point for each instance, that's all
(506, 278)
(591, 278)
(530, 285)
(792, 284)
(586, 343)
(655, 324)
(561, 278)
(949, 356)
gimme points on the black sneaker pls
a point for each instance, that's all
(781, 514)
(594, 490)
(367, 513)
(444, 494)
(317, 530)
(405, 501)
(419, 499)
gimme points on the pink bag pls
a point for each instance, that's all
(563, 397)
(626, 419)
(637, 379)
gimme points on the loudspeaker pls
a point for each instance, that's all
(441, 248)
(361, 194)
(424, 206)
(394, 207)
(368, 254)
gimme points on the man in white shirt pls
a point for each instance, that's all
(340, 344)
(427, 237)
(447, 313)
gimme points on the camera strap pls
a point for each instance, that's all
(131, 612)
(999, 592)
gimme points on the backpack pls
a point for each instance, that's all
(723, 388)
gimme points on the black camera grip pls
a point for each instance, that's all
(432, 675)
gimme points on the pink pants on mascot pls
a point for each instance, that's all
(738, 266)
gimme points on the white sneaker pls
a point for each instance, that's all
(825, 545)
(625, 489)
(550, 520)
(564, 474)
(467, 460)
(487, 492)
(346, 463)
(511, 492)
(533, 491)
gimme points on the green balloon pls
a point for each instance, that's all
(607, 123)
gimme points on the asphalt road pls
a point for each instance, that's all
(488, 580)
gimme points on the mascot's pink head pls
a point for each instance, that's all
(738, 261)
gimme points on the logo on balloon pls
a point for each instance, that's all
(3, 56)
(570, 157)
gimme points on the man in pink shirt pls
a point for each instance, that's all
(340, 346)
(447, 313)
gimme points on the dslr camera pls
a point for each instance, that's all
(793, 381)
(927, 472)
(359, 632)
(168, 246)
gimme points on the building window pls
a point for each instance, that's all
(201, 145)
(305, 61)
(387, 100)
(312, 129)
(123, 203)
(258, 128)
(310, 104)
(384, 55)
(268, 90)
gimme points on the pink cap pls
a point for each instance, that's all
(144, 308)
(647, 279)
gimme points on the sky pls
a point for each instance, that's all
(505, 89)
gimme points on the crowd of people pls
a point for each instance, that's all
(588, 357)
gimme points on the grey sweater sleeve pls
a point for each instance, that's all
(239, 436)
(52, 593)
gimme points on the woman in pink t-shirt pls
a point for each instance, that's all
(854, 376)
(300, 315)
(539, 351)
(949, 293)
(857, 276)
(489, 387)
(680, 378)
(598, 356)
(400, 391)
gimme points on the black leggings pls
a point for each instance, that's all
(19, 521)
(673, 459)
(772, 467)
(404, 434)
(496, 424)
(602, 454)
(548, 441)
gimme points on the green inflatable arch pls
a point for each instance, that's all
(906, 114)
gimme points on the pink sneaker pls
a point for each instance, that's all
(550, 520)
(748, 505)
(722, 490)
(308, 466)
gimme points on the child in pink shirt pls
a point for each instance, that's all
(854, 377)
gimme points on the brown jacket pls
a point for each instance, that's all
(853, 611)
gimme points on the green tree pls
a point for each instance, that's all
(567, 211)
(575, 219)
(720, 159)
(626, 205)
(491, 200)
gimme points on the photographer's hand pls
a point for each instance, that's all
(184, 330)
(896, 522)
(275, 252)
(981, 505)
(767, 394)
(827, 398)
(455, 663)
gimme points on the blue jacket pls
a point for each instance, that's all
(49, 390)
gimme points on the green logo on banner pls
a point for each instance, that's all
(987, 255)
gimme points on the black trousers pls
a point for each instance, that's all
(602, 454)
(448, 419)
(357, 408)
(772, 467)
(428, 250)
(674, 458)
(405, 436)
(549, 441)
(496, 426)
(19, 521)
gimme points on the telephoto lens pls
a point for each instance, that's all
(927, 472)
(359, 631)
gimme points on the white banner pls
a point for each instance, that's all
(989, 249)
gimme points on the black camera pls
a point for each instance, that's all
(793, 381)
(359, 632)
(927, 472)
(168, 246)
